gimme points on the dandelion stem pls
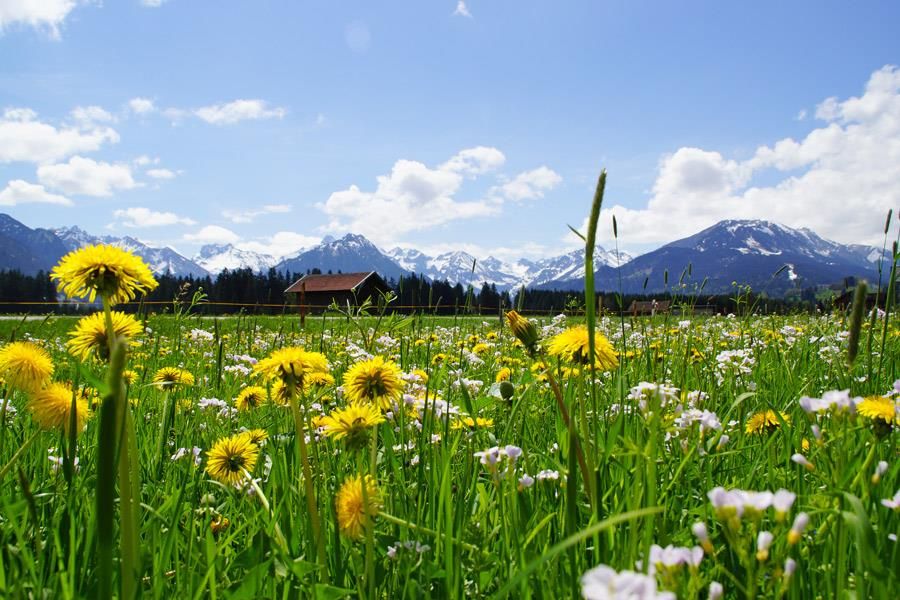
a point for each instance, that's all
(18, 453)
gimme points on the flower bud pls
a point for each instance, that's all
(880, 470)
(523, 329)
(699, 529)
(803, 461)
(796, 532)
(763, 543)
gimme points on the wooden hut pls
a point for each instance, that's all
(648, 307)
(318, 292)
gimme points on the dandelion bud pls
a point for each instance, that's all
(880, 470)
(790, 565)
(523, 329)
(507, 390)
(802, 461)
(702, 536)
(763, 543)
(716, 591)
(796, 532)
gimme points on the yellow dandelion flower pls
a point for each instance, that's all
(572, 345)
(765, 422)
(479, 349)
(878, 408)
(291, 365)
(375, 381)
(51, 407)
(438, 358)
(422, 375)
(470, 423)
(25, 366)
(115, 274)
(352, 423)
(250, 397)
(219, 525)
(503, 374)
(356, 513)
(279, 393)
(492, 335)
(89, 336)
(170, 378)
(314, 380)
(129, 376)
(230, 457)
(256, 436)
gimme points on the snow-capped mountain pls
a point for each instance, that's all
(215, 258)
(351, 253)
(457, 267)
(160, 260)
(28, 250)
(767, 256)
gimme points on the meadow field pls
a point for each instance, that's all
(728, 456)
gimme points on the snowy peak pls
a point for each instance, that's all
(160, 260)
(215, 258)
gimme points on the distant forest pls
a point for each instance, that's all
(256, 293)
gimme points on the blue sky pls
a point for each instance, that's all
(444, 125)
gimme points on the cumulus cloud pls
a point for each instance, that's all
(44, 15)
(87, 177)
(462, 10)
(144, 217)
(411, 197)
(475, 161)
(213, 234)
(24, 138)
(247, 216)
(530, 184)
(88, 116)
(238, 110)
(280, 245)
(839, 180)
(161, 173)
(22, 192)
(141, 106)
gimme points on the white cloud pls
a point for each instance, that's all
(144, 160)
(462, 10)
(87, 116)
(238, 110)
(144, 217)
(280, 245)
(87, 177)
(357, 37)
(45, 15)
(411, 197)
(24, 138)
(840, 180)
(153, 3)
(22, 192)
(530, 185)
(141, 106)
(475, 161)
(247, 216)
(161, 173)
(213, 234)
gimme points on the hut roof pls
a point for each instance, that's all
(339, 282)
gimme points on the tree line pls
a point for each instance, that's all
(243, 290)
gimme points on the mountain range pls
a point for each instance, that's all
(764, 255)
